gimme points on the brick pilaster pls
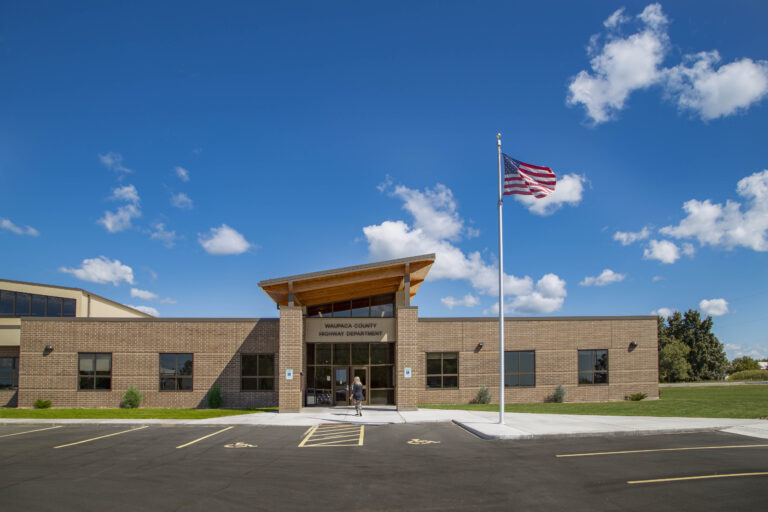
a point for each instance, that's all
(407, 390)
(290, 352)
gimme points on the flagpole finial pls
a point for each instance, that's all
(498, 135)
(498, 139)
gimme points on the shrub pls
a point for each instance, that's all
(483, 396)
(132, 398)
(214, 397)
(750, 375)
(559, 395)
(42, 404)
(635, 397)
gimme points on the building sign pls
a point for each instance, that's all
(318, 330)
(407, 373)
(289, 374)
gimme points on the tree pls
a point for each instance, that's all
(673, 362)
(744, 363)
(706, 355)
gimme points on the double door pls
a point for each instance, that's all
(343, 377)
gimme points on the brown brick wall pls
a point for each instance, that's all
(407, 356)
(291, 357)
(8, 396)
(555, 342)
(135, 346)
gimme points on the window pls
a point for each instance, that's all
(94, 371)
(593, 367)
(257, 372)
(9, 372)
(377, 306)
(176, 372)
(520, 368)
(23, 304)
(443, 370)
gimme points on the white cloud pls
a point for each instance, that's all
(727, 225)
(622, 66)
(665, 312)
(717, 93)
(689, 250)
(223, 240)
(608, 276)
(101, 270)
(735, 350)
(547, 298)
(714, 307)
(662, 250)
(569, 190)
(627, 238)
(626, 64)
(13, 228)
(145, 309)
(121, 218)
(143, 294)
(114, 162)
(468, 301)
(181, 200)
(168, 238)
(397, 239)
(182, 173)
(169, 300)
(656, 279)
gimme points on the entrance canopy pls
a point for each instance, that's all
(405, 274)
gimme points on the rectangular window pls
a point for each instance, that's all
(94, 371)
(6, 303)
(593, 367)
(176, 372)
(257, 372)
(53, 307)
(9, 372)
(520, 368)
(443, 370)
(23, 304)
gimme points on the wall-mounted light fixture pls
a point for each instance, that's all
(479, 347)
(632, 345)
(47, 350)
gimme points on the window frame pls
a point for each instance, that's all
(518, 372)
(176, 376)
(14, 373)
(442, 373)
(94, 376)
(593, 371)
(258, 378)
(15, 313)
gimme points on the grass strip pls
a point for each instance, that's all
(120, 414)
(688, 402)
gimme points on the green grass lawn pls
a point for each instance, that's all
(143, 414)
(691, 402)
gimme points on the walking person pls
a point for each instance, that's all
(358, 396)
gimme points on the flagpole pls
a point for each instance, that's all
(501, 293)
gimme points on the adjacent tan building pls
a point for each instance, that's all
(333, 325)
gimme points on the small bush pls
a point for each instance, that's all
(42, 404)
(635, 397)
(559, 395)
(214, 397)
(132, 398)
(483, 396)
(750, 375)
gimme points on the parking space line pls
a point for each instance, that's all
(30, 431)
(205, 437)
(700, 477)
(666, 450)
(333, 435)
(102, 437)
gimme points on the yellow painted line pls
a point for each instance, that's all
(362, 434)
(204, 437)
(338, 427)
(666, 450)
(30, 431)
(701, 477)
(334, 443)
(353, 435)
(101, 437)
(306, 438)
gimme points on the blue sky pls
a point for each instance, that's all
(172, 155)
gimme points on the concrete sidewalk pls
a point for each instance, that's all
(482, 424)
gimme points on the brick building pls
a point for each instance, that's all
(333, 325)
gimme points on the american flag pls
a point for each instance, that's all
(526, 179)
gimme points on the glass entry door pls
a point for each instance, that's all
(340, 385)
(361, 372)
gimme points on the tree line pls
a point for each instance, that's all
(688, 350)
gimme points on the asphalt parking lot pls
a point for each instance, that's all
(388, 467)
